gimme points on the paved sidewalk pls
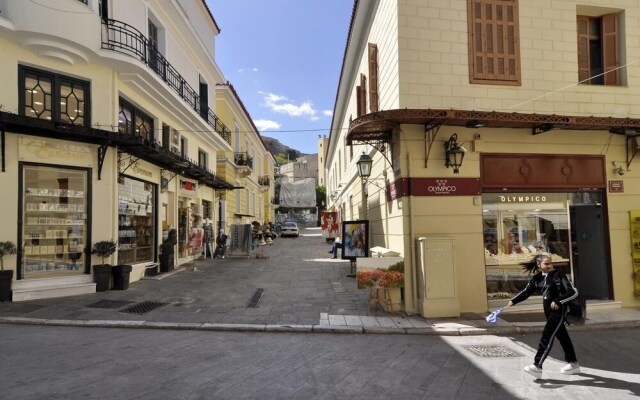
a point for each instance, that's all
(298, 288)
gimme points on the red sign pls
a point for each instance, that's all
(616, 187)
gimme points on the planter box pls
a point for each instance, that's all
(5, 285)
(121, 274)
(102, 277)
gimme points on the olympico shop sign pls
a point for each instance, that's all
(532, 198)
(442, 187)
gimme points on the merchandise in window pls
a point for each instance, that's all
(136, 221)
(54, 231)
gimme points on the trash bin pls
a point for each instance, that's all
(121, 277)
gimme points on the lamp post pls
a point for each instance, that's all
(453, 153)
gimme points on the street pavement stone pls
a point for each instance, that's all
(303, 290)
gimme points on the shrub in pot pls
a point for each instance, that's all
(102, 273)
(6, 248)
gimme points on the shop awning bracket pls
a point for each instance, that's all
(123, 160)
(430, 133)
(633, 145)
(2, 148)
(102, 152)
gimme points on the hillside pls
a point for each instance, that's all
(275, 147)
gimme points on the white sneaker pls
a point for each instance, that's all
(534, 370)
(571, 369)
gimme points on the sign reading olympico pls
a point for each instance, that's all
(445, 186)
(530, 198)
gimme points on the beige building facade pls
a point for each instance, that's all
(539, 100)
(110, 132)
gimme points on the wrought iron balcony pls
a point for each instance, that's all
(123, 38)
(243, 160)
(264, 180)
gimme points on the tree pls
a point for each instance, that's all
(321, 195)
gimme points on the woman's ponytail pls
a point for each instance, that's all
(533, 266)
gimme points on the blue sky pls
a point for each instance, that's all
(284, 57)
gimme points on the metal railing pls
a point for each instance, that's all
(243, 159)
(123, 38)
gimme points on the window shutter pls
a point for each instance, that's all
(363, 95)
(373, 77)
(610, 49)
(358, 101)
(494, 41)
(583, 49)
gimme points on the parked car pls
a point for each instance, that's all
(289, 228)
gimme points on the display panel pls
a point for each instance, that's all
(136, 221)
(54, 228)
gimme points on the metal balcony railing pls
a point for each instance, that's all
(123, 38)
(243, 159)
(264, 180)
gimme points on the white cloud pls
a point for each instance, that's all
(265, 124)
(282, 105)
(327, 113)
(251, 69)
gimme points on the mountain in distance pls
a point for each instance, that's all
(275, 147)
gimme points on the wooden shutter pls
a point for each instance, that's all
(583, 49)
(373, 77)
(494, 48)
(358, 101)
(610, 49)
(363, 94)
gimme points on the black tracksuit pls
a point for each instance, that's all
(554, 287)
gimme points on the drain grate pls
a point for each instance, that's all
(143, 307)
(255, 299)
(108, 304)
(493, 351)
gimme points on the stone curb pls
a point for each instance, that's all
(322, 328)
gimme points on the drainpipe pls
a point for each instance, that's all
(410, 308)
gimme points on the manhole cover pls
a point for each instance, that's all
(143, 307)
(255, 299)
(108, 304)
(493, 351)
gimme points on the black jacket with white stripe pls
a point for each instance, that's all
(554, 287)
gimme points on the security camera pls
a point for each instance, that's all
(463, 149)
(620, 171)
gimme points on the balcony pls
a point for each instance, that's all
(244, 164)
(264, 182)
(123, 38)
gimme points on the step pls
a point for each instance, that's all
(48, 288)
(592, 305)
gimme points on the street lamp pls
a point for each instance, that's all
(364, 166)
(453, 153)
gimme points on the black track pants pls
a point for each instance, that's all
(554, 328)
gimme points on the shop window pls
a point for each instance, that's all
(133, 121)
(53, 97)
(55, 228)
(599, 49)
(207, 211)
(136, 221)
(494, 53)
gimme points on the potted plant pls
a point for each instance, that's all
(6, 248)
(102, 273)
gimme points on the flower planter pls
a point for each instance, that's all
(121, 275)
(102, 277)
(5, 285)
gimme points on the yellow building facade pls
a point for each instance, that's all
(547, 136)
(110, 132)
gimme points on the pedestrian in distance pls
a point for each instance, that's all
(337, 244)
(556, 290)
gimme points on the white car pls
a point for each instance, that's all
(289, 229)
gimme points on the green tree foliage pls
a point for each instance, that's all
(321, 195)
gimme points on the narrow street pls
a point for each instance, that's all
(41, 362)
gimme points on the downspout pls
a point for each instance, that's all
(411, 307)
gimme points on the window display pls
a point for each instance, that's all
(516, 226)
(136, 221)
(54, 226)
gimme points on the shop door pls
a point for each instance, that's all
(590, 266)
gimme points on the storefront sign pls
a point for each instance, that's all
(616, 187)
(141, 171)
(188, 188)
(445, 186)
(529, 198)
(47, 150)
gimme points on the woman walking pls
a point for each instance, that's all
(556, 290)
